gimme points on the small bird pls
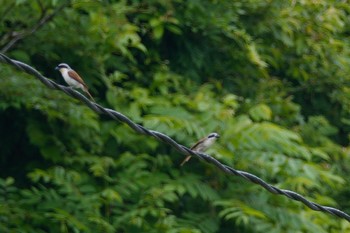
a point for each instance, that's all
(72, 78)
(202, 145)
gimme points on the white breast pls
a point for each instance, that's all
(205, 144)
(209, 142)
(70, 81)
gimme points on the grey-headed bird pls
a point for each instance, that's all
(202, 145)
(72, 78)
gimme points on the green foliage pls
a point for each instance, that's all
(269, 76)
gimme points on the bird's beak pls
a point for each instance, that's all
(57, 68)
(217, 136)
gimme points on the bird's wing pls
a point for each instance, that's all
(74, 75)
(195, 146)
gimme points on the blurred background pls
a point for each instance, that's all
(271, 77)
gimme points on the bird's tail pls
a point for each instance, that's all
(88, 93)
(185, 160)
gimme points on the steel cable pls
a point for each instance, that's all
(166, 139)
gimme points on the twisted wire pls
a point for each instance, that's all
(166, 139)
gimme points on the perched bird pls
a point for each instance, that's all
(72, 78)
(202, 145)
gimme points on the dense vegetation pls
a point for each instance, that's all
(272, 77)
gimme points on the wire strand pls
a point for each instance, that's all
(166, 139)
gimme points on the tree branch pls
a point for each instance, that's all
(42, 21)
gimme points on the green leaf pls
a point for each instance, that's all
(260, 112)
